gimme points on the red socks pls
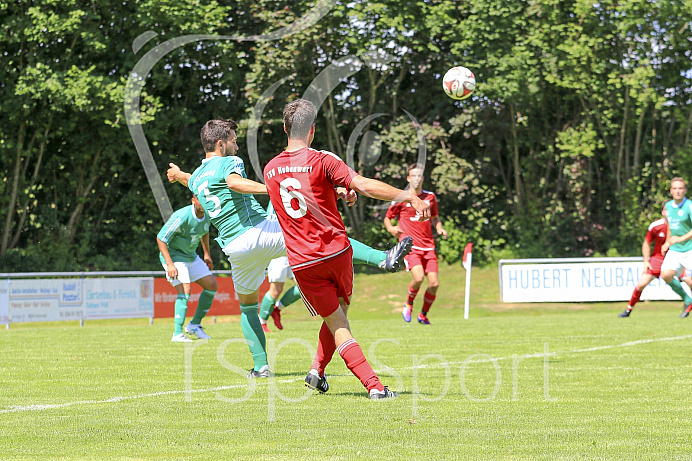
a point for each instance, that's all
(411, 295)
(428, 299)
(355, 360)
(635, 297)
(325, 349)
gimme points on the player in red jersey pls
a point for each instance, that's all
(422, 260)
(301, 182)
(656, 234)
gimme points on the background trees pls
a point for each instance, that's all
(581, 116)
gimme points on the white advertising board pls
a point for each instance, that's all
(119, 298)
(5, 301)
(582, 280)
(46, 300)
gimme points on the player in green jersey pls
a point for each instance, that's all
(178, 240)
(247, 237)
(678, 246)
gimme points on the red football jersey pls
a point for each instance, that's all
(301, 189)
(657, 234)
(420, 231)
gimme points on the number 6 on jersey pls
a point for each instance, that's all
(287, 197)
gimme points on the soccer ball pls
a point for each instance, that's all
(459, 83)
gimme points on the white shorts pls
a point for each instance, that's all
(189, 272)
(676, 261)
(279, 270)
(251, 252)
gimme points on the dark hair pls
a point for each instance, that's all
(299, 117)
(214, 130)
(413, 166)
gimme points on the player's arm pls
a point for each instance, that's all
(175, 174)
(207, 254)
(667, 243)
(171, 270)
(679, 238)
(391, 228)
(242, 185)
(646, 254)
(437, 224)
(381, 191)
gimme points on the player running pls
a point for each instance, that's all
(300, 182)
(178, 240)
(678, 246)
(422, 261)
(656, 234)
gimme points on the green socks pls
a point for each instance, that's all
(677, 287)
(203, 306)
(180, 312)
(252, 329)
(363, 254)
(267, 306)
(292, 295)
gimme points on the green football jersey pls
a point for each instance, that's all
(232, 213)
(182, 233)
(680, 222)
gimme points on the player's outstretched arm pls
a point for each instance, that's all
(207, 253)
(379, 190)
(242, 185)
(391, 228)
(437, 224)
(175, 174)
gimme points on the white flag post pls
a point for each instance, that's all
(466, 262)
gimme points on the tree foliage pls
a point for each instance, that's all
(581, 116)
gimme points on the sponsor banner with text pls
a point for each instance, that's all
(225, 301)
(577, 282)
(46, 300)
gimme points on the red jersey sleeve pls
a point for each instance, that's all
(394, 210)
(336, 170)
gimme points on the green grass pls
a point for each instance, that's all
(611, 388)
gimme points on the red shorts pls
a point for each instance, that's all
(425, 258)
(655, 263)
(321, 285)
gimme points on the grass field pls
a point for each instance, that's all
(561, 381)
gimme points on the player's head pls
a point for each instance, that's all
(219, 136)
(414, 175)
(678, 188)
(299, 120)
(198, 206)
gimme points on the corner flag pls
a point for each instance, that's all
(466, 262)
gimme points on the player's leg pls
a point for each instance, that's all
(389, 260)
(254, 335)
(670, 267)
(644, 280)
(181, 284)
(249, 255)
(429, 297)
(180, 311)
(352, 354)
(206, 298)
(415, 267)
(268, 302)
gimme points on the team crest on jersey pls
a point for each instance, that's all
(680, 212)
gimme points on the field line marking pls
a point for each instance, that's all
(22, 408)
(39, 407)
(552, 354)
